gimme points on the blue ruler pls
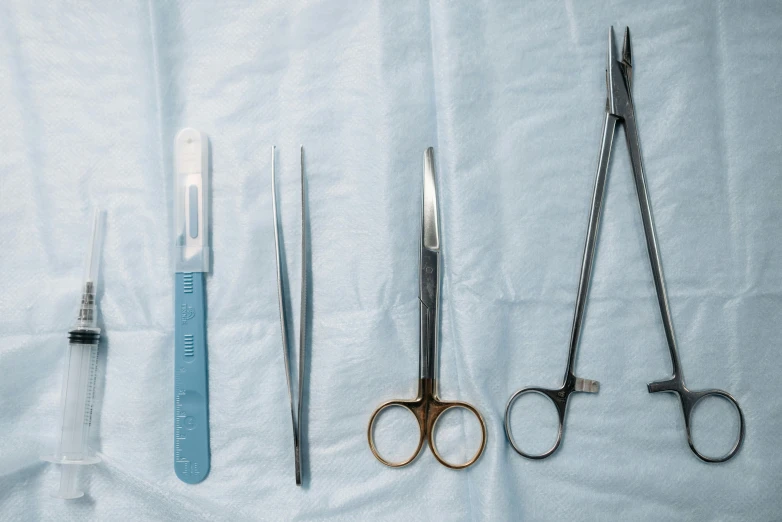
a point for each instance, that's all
(191, 409)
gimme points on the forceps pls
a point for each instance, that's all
(619, 107)
(427, 406)
(295, 410)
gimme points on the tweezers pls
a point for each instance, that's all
(295, 408)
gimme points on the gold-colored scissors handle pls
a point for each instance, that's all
(436, 409)
(415, 407)
(427, 410)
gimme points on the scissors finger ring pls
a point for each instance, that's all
(414, 407)
(438, 408)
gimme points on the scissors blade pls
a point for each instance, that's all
(429, 255)
(430, 238)
(429, 270)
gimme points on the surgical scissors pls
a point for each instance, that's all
(619, 107)
(427, 406)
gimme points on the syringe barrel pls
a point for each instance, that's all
(78, 390)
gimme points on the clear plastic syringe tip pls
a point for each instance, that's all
(87, 313)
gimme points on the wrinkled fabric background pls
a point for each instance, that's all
(511, 96)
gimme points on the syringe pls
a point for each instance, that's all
(78, 385)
